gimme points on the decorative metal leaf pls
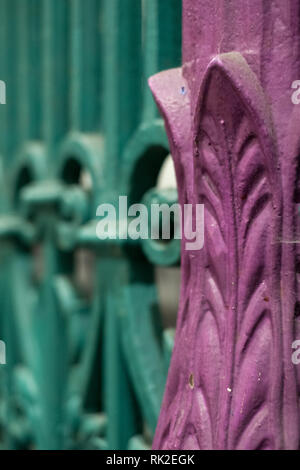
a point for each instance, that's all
(230, 368)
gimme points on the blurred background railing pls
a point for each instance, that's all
(88, 324)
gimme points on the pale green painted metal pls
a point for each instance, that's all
(84, 373)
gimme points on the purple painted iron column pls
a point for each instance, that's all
(234, 134)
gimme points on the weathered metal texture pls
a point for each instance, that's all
(83, 371)
(234, 137)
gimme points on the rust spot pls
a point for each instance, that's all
(266, 299)
(191, 381)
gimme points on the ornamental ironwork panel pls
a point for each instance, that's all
(86, 349)
(234, 137)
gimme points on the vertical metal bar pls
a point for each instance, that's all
(4, 203)
(85, 77)
(92, 72)
(121, 106)
(34, 69)
(52, 377)
(11, 79)
(76, 66)
(52, 333)
(22, 72)
(150, 53)
(55, 72)
(161, 43)
(3, 108)
(119, 403)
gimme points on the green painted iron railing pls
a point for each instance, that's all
(85, 361)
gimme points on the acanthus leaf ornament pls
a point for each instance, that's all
(230, 382)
